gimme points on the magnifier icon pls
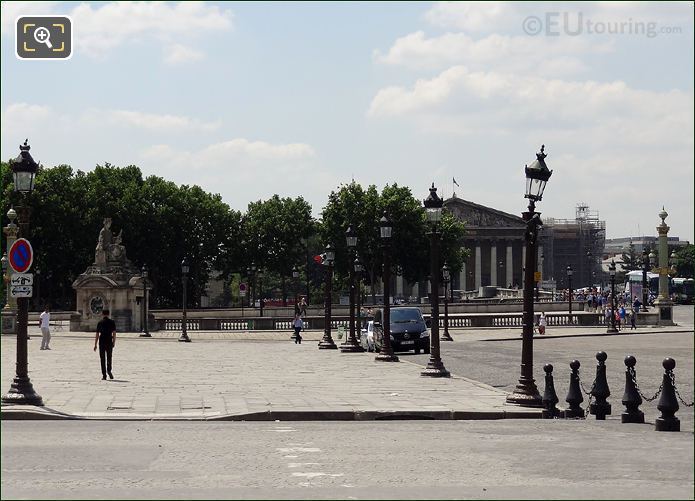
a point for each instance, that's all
(42, 35)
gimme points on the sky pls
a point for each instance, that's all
(252, 99)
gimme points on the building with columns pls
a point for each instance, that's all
(496, 243)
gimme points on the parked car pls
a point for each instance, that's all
(367, 336)
(408, 330)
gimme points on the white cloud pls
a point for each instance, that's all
(468, 16)
(149, 121)
(512, 53)
(177, 54)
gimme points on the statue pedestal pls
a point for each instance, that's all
(665, 308)
(9, 321)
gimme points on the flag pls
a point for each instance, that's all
(454, 180)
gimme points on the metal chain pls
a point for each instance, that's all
(673, 381)
(634, 381)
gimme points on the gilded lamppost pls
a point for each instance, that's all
(537, 175)
(351, 345)
(433, 210)
(144, 273)
(663, 301)
(327, 342)
(385, 231)
(446, 275)
(21, 391)
(184, 321)
(611, 271)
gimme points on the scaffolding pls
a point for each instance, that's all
(576, 242)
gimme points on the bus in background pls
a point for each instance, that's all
(683, 290)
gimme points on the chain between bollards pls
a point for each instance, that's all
(673, 381)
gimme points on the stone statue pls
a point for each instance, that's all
(117, 249)
(102, 251)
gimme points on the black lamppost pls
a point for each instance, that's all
(359, 268)
(385, 230)
(295, 283)
(251, 273)
(184, 279)
(569, 289)
(433, 209)
(351, 345)
(259, 274)
(645, 283)
(446, 275)
(611, 272)
(327, 342)
(145, 327)
(537, 175)
(21, 391)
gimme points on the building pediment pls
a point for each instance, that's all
(94, 282)
(480, 216)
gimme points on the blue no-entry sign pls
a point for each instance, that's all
(21, 255)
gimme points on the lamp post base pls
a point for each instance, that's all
(526, 395)
(184, 338)
(446, 337)
(327, 344)
(22, 393)
(351, 346)
(435, 368)
(386, 356)
(611, 330)
(145, 334)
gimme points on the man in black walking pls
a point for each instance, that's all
(106, 336)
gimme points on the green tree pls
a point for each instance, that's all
(685, 261)
(631, 261)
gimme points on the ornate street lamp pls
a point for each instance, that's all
(569, 289)
(673, 270)
(259, 274)
(433, 210)
(327, 342)
(184, 321)
(611, 272)
(145, 327)
(385, 231)
(251, 273)
(537, 175)
(645, 283)
(5, 277)
(351, 345)
(359, 268)
(446, 275)
(295, 283)
(21, 391)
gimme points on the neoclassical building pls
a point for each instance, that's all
(496, 243)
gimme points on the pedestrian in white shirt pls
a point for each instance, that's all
(542, 323)
(44, 322)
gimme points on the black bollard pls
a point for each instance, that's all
(600, 407)
(574, 395)
(550, 399)
(631, 397)
(668, 404)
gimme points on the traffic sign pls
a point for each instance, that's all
(22, 279)
(242, 289)
(21, 291)
(537, 276)
(21, 255)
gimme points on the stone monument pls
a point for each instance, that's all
(111, 282)
(663, 302)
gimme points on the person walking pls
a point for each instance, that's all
(106, 337)
(44, 323)
(633, 319)
(621, 313)
(302, 307)
(297, 324)
(542, 322)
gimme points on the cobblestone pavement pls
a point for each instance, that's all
(210, 378)
(253, 375)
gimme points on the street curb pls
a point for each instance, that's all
(597, 334)
(34, 414)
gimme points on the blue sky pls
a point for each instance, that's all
(252, 99)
